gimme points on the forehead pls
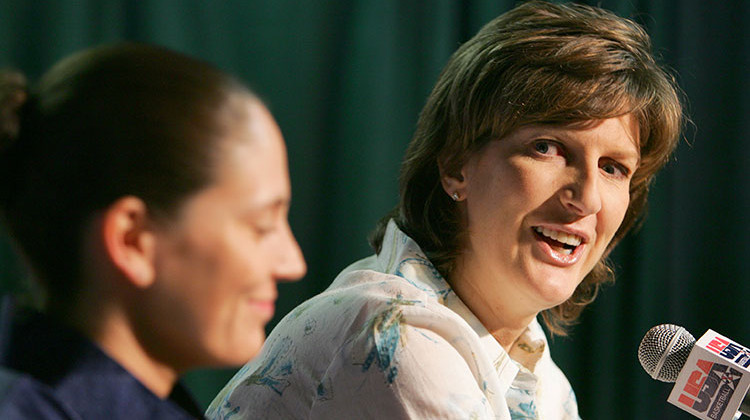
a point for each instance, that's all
(253, 154)
(245, 122)
(626, 124)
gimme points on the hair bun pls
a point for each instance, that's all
(13, 95)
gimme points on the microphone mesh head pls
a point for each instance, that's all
(655, 352)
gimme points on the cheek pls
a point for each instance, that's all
(488, 193)
(232, 331)
(207, 274)
(231, 270)
(228, 256)
(617, 207)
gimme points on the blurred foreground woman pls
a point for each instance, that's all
(149, 192)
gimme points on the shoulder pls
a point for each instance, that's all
(358, 291)
(21, 397)
(61, 367)
(385, 367)
(369, 334)
(405, 369)
(359, 303)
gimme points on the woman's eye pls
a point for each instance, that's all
(268, 221)
(615, 169)
(264, 226)
(545, 147)
(264, 229)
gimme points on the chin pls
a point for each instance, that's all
(555, 294)
(251, 347)
(554, 283)
(240, 352)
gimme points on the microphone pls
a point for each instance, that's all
(711, 375)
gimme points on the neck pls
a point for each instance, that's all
(111, 330)
(503, 317)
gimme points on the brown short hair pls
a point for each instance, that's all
(540, 63)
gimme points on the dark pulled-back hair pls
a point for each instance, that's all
(108, 122)
(539, 63)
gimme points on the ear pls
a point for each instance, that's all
(128, 240)
(454, 182)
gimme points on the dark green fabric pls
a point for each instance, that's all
(346, 80)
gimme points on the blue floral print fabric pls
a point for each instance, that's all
(390, 339)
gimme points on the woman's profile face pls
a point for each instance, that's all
(218, 264)
(541, 205)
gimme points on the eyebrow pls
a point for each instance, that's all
(636, 156)
(272, 204)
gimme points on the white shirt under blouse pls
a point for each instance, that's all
(390, 339)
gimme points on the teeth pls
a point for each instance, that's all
(568, 239)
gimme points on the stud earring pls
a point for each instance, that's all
(455, 196)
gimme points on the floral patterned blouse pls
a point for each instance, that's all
(390, 339)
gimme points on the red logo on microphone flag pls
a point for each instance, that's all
(709, 387)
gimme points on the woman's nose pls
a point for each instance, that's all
(582, 195)
(290, 264)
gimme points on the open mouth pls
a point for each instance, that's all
(561, 242)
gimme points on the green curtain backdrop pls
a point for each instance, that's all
(346, 80)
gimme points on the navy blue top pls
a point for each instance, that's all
(22, 397)
(63, 375)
